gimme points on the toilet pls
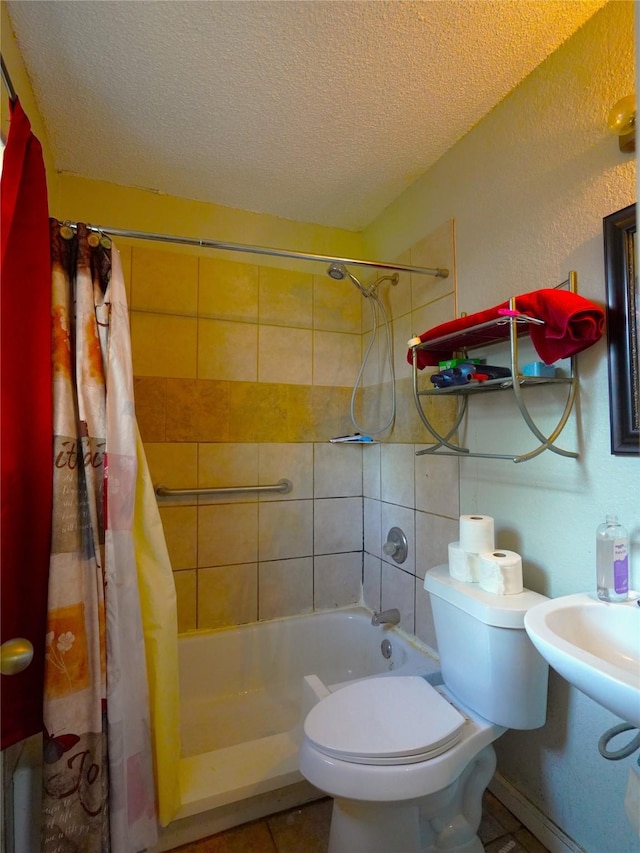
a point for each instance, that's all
(407, 761)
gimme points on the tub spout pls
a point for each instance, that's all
(386, 617)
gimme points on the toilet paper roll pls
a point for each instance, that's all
(463, 566)
(476, 533)
(501, 572)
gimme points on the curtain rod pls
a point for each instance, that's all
(6, 79)
(259, 250)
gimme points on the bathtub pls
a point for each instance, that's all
(243, 700)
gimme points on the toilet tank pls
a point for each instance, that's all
(486, 657)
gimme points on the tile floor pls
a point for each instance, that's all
(306, 830)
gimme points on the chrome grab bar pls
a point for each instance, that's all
(282, 486)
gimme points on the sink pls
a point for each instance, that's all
(595, 646)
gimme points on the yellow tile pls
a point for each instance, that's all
(174, 466)
(182, 409)
(164, 282)
(284, 355)
(180, 531)
(186, 595)
(213, 411)
(258, 412)
(227, 350)
(337, 305)
(330, 411)
(163, 345)
(286, 297)
(227, 595)
(150, 399)
(228, 290)
(336, 358)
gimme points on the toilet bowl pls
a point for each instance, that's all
(405, 766)
(407, 762)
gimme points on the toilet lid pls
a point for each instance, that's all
(395, 720)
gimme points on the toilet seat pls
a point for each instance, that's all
(384, 721)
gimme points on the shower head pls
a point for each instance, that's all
(337, 272)
(340, 272)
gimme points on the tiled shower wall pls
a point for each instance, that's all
(242, 374)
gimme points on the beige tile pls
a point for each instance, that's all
(287, 461)
(304, 830)
(228, 290)
(392, 515)
(398, 591)
(428, 316)
(223, 465)
(397, 474)
(371, 471)
(164, 282)
(227, 350)
(227, 595)
(372, 527)
(285, 530)
(285, 588)
(336, 358)
(163, 345)
(186, 587)
(402, 332)
(424, 626)
(150, 395)
(227, 534)
(284, 355)
(371, 581)
(437, 484)
(337, 580)
(434, 250)
(180, 531)
(337, 525)
(433, 535)
(286, 298)
(337, 305)
(174, 466)
(337, 470)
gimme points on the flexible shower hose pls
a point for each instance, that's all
(375, 303)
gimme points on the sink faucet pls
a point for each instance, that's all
(386, 617)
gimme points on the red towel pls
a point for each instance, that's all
(571, 324)
(26, 469)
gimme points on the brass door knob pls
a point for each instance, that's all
(15, 655)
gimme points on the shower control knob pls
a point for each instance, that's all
(396, 545)
(15, 655)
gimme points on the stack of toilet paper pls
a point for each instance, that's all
(475, 559)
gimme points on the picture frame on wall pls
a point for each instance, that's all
(623, 319)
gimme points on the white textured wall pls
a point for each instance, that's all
(528, 189)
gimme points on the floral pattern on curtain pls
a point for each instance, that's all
(98, 789)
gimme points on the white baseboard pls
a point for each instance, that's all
(538, 824)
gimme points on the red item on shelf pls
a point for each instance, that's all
(571, 324)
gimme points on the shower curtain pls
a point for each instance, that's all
(25, 382)
(98, 787)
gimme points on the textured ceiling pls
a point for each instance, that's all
(320, 111)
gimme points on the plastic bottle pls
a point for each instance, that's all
(612, 560)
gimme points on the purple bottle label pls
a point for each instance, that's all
(620, 567)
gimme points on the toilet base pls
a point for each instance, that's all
(446, 820)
